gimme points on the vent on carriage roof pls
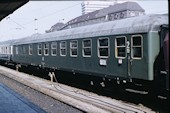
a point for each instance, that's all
(111, 13)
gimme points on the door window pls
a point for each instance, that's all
(137, 49)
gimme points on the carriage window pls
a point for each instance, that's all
(63, 48)
(16, 50)
(9, 50)
(73, 48)
(86, 48)
(30, 49)
(6, 50)
(120, 47)
(137, 47)
(103, 47)
(23, 49)
(1, 50)
(39, 49)
(54, 48)
(46, 49)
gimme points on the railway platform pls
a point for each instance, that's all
(80, 99)
(12, 102)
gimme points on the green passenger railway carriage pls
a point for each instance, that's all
(123, 50)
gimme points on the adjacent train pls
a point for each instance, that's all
(127, 50)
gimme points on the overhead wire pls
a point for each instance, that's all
(42, 17)
(16, 22)
(56, 12)
(53, 13)
(59, 11)
(37, 9)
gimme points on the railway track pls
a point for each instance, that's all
(108, 104)
(86, 101)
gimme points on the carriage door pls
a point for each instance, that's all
(128, 52)
(122, 54)
(135, 59)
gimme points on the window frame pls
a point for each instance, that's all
(73, 48)
(23, 47)
(3, 50)
(46, 48)
(137, 58)
(9, 49)
(53, 43)
(0, 50)
(30, 49)
(116, 51)
(16, 50)
(98, 47)
(6, 50)
(38, 48)
(63, 48)
(86, 47)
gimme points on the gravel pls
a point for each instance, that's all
(50, 105)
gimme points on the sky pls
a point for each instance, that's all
(41, 15)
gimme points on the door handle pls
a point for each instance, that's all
(131, 60)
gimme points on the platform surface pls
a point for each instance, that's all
(12, 102)
(78, 98)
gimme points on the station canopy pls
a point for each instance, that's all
(9, 6)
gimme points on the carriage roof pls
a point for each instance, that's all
(139, 24)
(6, 43)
